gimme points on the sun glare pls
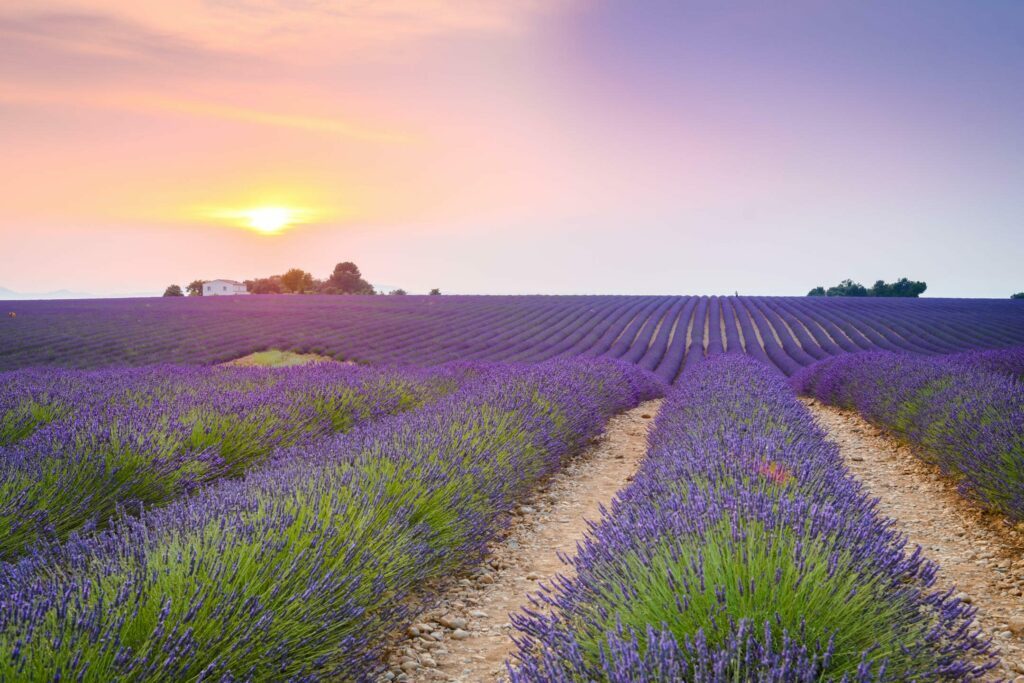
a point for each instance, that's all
(264, 219)
(269, 219)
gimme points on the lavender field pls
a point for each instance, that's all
(665, 334)
(165, 517)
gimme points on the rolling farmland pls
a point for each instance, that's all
(168, 515)
(663, 334)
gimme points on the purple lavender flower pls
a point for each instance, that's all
(743, 550)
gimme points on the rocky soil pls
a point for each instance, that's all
(467, 637)
(981, 554)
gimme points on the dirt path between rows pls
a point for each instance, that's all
(979, 553)
(467, 637)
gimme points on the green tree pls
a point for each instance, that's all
(297, 280)
(1018, 295)
(847, 288)
(398, 292)
(195, 288)
(346, 279)
(265, 285)
(173, 290)
(435, 292)
(909, 288)
(901, 288)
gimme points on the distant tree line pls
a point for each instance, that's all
(345, 279)
(901, 288)
(1018, 295)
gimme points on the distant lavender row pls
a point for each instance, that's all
(664, 334)
(744, 551)
(75, 446)
(965, 412)
(299, 570)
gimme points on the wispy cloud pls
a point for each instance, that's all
(269, 118)
(215, 58)
(221, 27)
(152, 103)
(39, 40)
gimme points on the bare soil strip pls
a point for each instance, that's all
(467, 636)
(981, 554)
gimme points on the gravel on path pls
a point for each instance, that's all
(467, 636)
(979, 553)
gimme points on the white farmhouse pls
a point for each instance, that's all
(223, 288)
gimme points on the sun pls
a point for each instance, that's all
(269, 220)
(263, 219)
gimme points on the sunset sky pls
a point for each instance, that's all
(513, 146)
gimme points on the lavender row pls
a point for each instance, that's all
(299, 570)
(77, 446)
(964, 412)
(664, 334)
(743, 550)
(1007, 361)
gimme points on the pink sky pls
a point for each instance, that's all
(495, 147)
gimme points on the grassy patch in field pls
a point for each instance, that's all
(277, 358)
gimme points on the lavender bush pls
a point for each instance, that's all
(1008, 361)
(743, 551)
(298, 570)
(966, 418)
(77, 446)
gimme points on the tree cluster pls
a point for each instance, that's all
(901, 288)
(345, 279)
(1018, 295)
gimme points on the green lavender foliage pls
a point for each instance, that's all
(81, 446)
